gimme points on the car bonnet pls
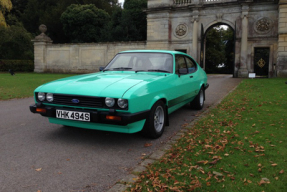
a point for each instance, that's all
(103, 84)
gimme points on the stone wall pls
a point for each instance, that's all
(282, 39)
(77, 58)
(176, 25)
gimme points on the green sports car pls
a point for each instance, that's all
(135, 92)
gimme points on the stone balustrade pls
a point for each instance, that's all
(191, 2)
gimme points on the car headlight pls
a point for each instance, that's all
(110, 102)
(41, 96)
(122, 103)
(50, 97)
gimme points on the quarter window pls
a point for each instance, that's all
(180, 62)
(190, 65)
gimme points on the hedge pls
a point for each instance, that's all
(17, 65)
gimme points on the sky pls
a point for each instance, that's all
(121, 1)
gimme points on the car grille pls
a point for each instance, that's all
(84, 101)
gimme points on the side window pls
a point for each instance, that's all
(190, 65)
(179, 62)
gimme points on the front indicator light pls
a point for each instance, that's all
(115, 118)
(41, 110)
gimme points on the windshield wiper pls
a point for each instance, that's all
(159, 70)
(118, 68)
(140, 70)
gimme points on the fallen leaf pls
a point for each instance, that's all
(282, 171)
(148, 144)
(202, 162)
(259, 165)
(217, 173)
(264, 181)
(216, 157)
(226, 154)
(274, 164)
(39, 169)
(214, 162)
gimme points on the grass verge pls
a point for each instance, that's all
(240, 145)
(23, 84)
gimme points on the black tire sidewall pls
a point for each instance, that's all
(195, 104)
(149, 129)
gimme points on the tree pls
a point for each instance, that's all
(15, 43)
(5, 6)
(85, 23)
(129, 24)
(219, 50)
(229, 50)
(48, 12)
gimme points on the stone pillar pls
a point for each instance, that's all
(243, 72)
(195, 36)
(282, 40)
(40, 47)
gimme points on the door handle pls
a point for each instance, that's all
(190, 76)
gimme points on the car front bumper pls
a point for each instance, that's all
(100, 117)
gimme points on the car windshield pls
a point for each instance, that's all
(153, 62)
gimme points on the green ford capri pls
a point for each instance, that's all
(135, 92)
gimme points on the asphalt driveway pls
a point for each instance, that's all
(36, 155)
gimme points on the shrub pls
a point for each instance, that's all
(15, 43)
(85, 23)
(17, 65)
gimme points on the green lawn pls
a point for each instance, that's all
(23, 84)
(240, 145)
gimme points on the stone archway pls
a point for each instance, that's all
(203, 49)
(257, 23)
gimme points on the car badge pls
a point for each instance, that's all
(75, 101)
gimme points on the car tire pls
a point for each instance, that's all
(155, 123)
(198, 101)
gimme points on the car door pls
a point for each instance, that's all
(194, 81)
(183, 80)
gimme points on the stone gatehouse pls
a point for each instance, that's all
(260, 34)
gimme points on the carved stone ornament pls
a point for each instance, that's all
(219, 17)
(181, 30)
(263, 25)
(43, 37)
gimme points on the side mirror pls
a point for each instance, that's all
(101, 68)
(182, 71)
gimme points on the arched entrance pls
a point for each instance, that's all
(260, 28)
(218, 49)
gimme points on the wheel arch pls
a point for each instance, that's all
(164, 100)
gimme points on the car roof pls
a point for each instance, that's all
(153, 51)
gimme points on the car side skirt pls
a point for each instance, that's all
(179, 105)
